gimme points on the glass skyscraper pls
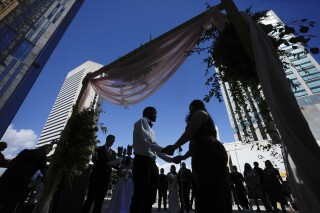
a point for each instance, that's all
(29, 32)
(67, 97)
(304, 72)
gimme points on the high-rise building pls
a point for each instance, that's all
(67, 97)
(29, 32)
(304, 72)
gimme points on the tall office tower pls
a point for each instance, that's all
(67, 97)
(304, 71)
(29, 32)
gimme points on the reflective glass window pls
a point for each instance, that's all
(10, 80)
(300, 93)
(53, 11)
(34, 29)
(57, 16)
(308, 100)
(8, 68)
(316, 90)
(312, 76)
(23, 49)
(313, 84)
(7, 35)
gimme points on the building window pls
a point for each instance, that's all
(8, 68)
(313, 84)
(308, 100)
(10, 80)
(57, 16)
(34, 29)
(23, 49)
(6, 35)
(316, 90)
(300, 93)
(53, 11)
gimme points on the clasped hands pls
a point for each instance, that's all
(169, 150)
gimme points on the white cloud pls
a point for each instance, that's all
(18, 140)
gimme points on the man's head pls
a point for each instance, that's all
(150, 113)
(173, 168)
(234, 168)
(256, 164)
(110, 140)
(183, 165)
(161, 170)
(268, 164)
(3, 146)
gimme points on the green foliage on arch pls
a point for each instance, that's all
(225, 51)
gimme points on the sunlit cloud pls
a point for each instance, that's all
(18, 140)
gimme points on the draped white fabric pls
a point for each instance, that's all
(139, 75)
(301, 151)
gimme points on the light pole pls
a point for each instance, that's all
(235, 151)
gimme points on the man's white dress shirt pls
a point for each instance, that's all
(144, 141)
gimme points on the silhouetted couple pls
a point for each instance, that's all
(209, 161)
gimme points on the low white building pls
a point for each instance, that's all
(240, 153)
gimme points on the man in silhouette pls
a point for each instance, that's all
(184, 180)
(162, 190)
(3, 162)
(260, 172)
(14, 181)
(100, 176)
(145, 171)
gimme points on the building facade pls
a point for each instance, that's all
(67, 97)
(304, 72)
(29, 32)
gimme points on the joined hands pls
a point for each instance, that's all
(169, 150)
(177, 159)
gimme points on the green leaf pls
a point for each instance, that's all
(304, 29)
(314, 50)
(293, 40)
(289, 29)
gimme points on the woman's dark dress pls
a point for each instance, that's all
(209, 165)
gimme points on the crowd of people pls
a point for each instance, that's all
(213, 186)
(257, 183)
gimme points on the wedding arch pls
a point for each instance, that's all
(137, 75)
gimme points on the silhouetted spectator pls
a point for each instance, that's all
(162, 190)
(260, 172)
(100, 176)
(273, 183)
(14, 181)
(237, 179)
(254, 187)
(184, 180)
(233, 191)
(3, 162)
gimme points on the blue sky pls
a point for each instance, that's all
(103, 31)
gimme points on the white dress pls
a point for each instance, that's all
(123, 191)
(173, 198)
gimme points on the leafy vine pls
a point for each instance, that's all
(237, 73)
